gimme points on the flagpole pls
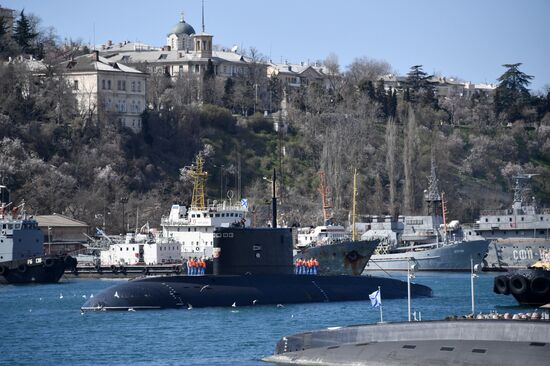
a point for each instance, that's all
(381, 316)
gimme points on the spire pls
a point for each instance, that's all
(182, 16)
(203, 16)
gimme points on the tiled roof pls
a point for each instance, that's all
(159, 56)
(86, 63)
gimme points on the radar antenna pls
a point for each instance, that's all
(432, 195)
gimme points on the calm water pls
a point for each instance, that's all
(41, 328)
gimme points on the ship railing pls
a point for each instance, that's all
(495, 212)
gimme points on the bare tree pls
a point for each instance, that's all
(391, 168)
(409, 152)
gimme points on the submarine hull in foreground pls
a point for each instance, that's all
(462, 342)
(244, 290)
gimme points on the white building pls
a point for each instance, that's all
(139, 249)
(297, 75)
(104, 87)
(185, 53)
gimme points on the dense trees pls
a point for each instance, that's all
(60, 161)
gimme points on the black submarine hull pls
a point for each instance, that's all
(245, 290)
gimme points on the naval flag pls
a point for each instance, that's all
(244, 203)
(375, 299)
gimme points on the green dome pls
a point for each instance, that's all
(182, 28)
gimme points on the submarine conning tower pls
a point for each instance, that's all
(239, 251)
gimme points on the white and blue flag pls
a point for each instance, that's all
(375, 299)
(244, 203)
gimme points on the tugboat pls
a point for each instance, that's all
(428, 241)
(252, 266)
(22, 258)
(337, 251)
(529, 286)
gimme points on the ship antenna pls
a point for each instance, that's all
(324, 196)
(444, 212)
(432, 196)
(199, 178)
(274, 200)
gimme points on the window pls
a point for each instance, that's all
(109, 84)
(75, 85)
(133, 86)
(103, 84)
(163, 56)
(123, 84)
(139, 86)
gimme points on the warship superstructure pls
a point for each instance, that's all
(518, 236)
(427, 241)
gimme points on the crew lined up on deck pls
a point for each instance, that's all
(306, 266)
(196, 267)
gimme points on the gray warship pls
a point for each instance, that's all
(519, 236)
(427, 241)
(22, 258)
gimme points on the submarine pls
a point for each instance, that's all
(251, 266)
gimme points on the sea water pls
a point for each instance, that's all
(43, 325)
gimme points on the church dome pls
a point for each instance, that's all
(182, 28)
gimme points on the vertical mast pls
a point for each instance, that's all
(444, 212)
(323, 190)
(274, 201)
(199, 178)
(431, 195)
(353, 229)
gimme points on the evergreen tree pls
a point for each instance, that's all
(420, 88)
(228, 93)
(3, 35)
(512, 95)
(209, 83)
(24, 33)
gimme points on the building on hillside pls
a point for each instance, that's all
(8, 16)
(444, 87)
(107, 88)
(297, 75)
(62, 234)
(185, 53)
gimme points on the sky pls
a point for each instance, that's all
(468, 39)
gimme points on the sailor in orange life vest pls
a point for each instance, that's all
(306, 266)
